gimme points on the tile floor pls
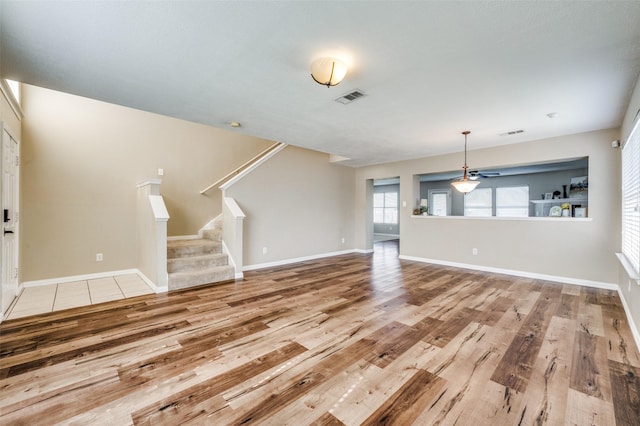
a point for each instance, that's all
(55, 297)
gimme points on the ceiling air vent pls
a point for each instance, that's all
(513, 132)
(350, 97)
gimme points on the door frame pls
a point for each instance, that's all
(16, 217)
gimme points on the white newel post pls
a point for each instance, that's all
(232, 224)
(152, 234)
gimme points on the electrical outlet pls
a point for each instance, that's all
(160, 172)
(342, 240)
(264, 250)
(474, 251)
(99, 257)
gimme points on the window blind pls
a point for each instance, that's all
(478, 202)
(631, 198)
(512, 201)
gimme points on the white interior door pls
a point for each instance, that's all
(9, 209)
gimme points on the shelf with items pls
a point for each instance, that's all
(578, 207)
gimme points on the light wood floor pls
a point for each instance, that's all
(353, 339)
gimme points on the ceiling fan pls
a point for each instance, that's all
(475, 174)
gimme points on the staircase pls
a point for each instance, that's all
(193, 262)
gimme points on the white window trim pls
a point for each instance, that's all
(628, 267)
(447, 192)
(631, 266)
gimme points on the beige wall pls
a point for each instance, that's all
(583, 250)
(81, 160)
(296, 204)
(631, 288)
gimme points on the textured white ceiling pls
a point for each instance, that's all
(430, 69)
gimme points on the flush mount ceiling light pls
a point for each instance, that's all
(465, 185)
(328, 71)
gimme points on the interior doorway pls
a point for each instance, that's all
(386, 210)
(9, 199)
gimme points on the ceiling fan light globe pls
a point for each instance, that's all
(465, 186)
(328, 71)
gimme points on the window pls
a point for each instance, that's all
(631, 199)
(478, 202)
(385, 207)
(439, 202)
(512, 201)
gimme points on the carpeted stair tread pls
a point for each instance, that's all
(194, 262)
(214, 234)
(189, 263)
(185, 279)
(195, 247)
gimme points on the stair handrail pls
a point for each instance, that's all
(238, 170)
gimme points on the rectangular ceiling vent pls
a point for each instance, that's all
(513, 132)
(350, 97)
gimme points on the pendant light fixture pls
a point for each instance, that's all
(465, 185)
(328, 71)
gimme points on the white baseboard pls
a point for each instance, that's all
(362, 251)
(632, 324)
(151, 284)
(183, 237)
(296, 260)
(85, 277)
(525, 274)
